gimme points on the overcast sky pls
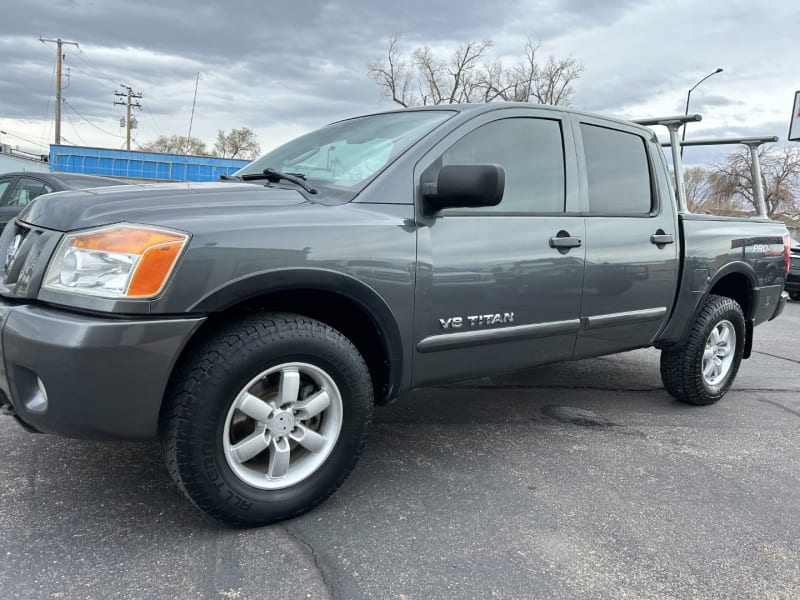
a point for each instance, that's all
(283, 68)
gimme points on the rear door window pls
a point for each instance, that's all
(617, 170)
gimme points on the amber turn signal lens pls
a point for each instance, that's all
(153, 269)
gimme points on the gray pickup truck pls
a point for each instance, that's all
(253, 323)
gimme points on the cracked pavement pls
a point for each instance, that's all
(575, 480)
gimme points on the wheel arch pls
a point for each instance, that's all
(735, 281)
(337, 299)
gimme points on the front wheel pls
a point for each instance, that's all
(794, 295)
(703, 369)
(266, 418)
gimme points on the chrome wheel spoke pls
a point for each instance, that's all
(253, 445)
(716, 364)
(289, 386)
(312, 406)
(708, 369)
(255, 408)
(279, 455)
(308, 438)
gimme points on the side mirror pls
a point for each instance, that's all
(465, 186)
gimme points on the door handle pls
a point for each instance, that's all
(659, 239)
(565, 242)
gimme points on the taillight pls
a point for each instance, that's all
(786, 253)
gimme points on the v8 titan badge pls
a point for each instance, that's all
(476, 320)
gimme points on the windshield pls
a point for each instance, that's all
(345, 155)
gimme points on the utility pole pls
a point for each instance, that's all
(59, 58)
(130, 96)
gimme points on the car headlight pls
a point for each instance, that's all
(120, 261)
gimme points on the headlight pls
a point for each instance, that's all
(120, 261)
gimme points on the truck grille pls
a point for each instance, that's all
(24, 251)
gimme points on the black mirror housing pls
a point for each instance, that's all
(465, 186)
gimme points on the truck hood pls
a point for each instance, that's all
(162, 203)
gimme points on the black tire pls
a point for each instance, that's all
(196, 418)
(682, 368)
(794, 295)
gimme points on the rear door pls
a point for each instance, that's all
(631, 237)
(492, 293)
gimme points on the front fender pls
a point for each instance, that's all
(264, 283)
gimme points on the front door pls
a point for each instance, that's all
(493, 293)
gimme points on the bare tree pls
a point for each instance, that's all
(239, 143)
(175, 144)
(469, 75)
(780, 172)
(697, 186)
(705, 194)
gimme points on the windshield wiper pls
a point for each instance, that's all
(226, 177)
(274, 176)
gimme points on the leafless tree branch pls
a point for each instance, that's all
(468, 75)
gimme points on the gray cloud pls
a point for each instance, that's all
(282, 67)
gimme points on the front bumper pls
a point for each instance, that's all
(87, 376)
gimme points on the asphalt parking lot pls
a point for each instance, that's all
(579, 480)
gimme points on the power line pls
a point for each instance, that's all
(73, 109)
(30, 141)
(99, 73)
(92, 67)
(75, 129)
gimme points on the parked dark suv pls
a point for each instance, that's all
(20, 188)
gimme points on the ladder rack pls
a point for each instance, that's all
(675, 122)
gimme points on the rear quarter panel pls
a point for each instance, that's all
(714, 247)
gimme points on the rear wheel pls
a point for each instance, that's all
(794, 295)
(267, 418)
(702, 371)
